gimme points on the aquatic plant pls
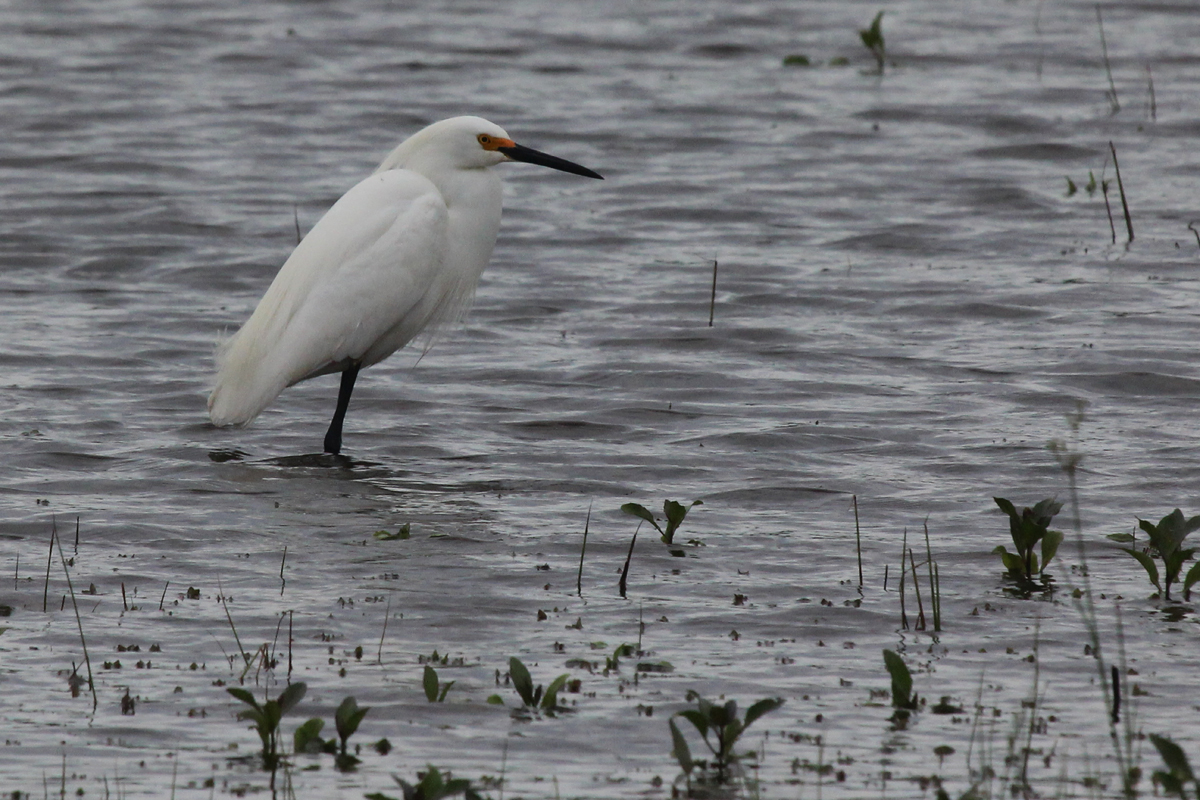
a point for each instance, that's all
(533, 698)
(1166, 541)
(674, 513)
(872, 39)
(904, 699)
(721, 721)
(1178, 774)
(435, 692)
(1028, 527)
(266, 717)
(347, 719)
(431, 785)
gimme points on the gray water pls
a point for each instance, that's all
(908, 308)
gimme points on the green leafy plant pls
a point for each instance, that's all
(674, 513)
(722, 723)
(266, 717)
(1178, 773)
(533, 698)
(346, 719)
(431, 785)
(613, 663)
(1166, 540)
(872, 39)
(307, 738)
(435, 692)
(1028, 527)
(903, 697)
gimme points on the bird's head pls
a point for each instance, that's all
(470, 143)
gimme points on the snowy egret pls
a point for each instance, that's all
(399, 252)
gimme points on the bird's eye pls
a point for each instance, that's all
(484, 139)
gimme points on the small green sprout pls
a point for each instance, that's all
(533, 699)
(1028, 527)
(872, 39)
(674, 513)
(432, 785)
(266, 717)
(797, 60)
(435, 692)
(721, 721)
(1166, 541)
(347, 719)
(1071, 187)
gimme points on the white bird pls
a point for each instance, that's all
(401, 251)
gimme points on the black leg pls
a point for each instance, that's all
(333, 438)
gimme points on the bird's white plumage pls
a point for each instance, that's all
(399, 252)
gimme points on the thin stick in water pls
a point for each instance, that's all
(76, 535)
(228, 616)
(1116, 699)
(17, 572)
(1108, 210)
(124, 602)
(858, 541)
(1153, 101)
(296, 219)
(712, 303)
(1112, 87)
(49, 561)
(903, 572)
(582, 550)
(920, 626)
(628, 558)
(378, 655)
(164, 596)
(79, 621)
(937, 620)
(282, 580)
(1121, 188)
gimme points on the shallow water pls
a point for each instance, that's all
(907, 308)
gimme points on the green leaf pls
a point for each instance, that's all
(348, 716)
(430, 683)
(495, 700)
(244, 696)
(290, 696)
(675, 513)
(1174, 758)
(765, 706)
(445, 691)
(550, 699)
(307, 738)
(698, 719)
(522, 681)
(1123, 538)
(1050, 543)
(1007, 507)
(797, 60)
(1193, 576)
(901, 679)
(680, 748)
(640, 511)
(1148, 563)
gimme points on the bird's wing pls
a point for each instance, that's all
(358, 276)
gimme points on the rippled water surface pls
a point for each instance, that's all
(908, 306)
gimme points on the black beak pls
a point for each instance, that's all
(530, 156)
